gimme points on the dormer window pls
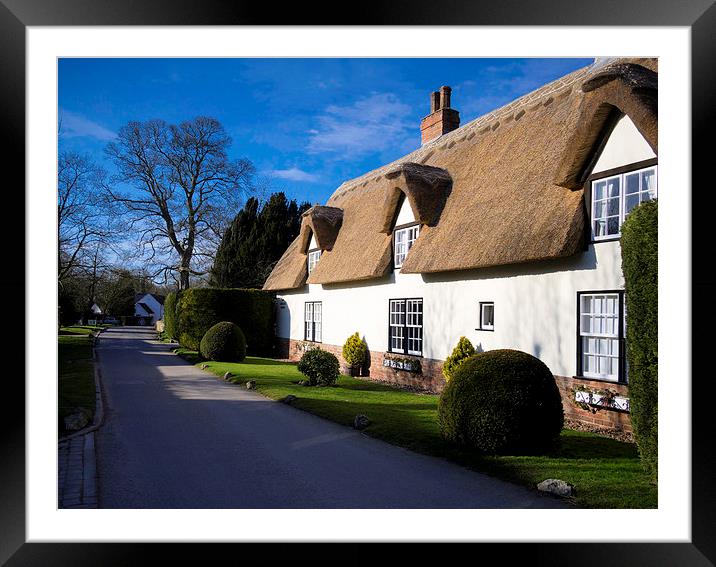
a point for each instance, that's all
(313, 257)
(403, 240)
(614, 196)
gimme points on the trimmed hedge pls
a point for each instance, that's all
(170, 314)
(320, 367)
(639, 244)
(198, 309)
(224, 342)
(501, 401)
(355, 350)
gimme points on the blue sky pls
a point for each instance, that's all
(306, 124)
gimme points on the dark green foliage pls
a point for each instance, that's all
(224, 342)
(639, 246)
(501, 401)
(320, 367)
(198, 309)
(170, 315)
(255, 240)
(68, 311)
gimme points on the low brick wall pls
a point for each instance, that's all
(608, 418)
(431, 380)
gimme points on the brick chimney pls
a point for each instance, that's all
(442, 119)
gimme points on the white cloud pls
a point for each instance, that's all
(370, 125)
(294, 174)
(74, 126)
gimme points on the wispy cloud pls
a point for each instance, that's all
(294, 174)
(73, 125)
(370, 125)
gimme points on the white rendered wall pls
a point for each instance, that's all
(625, 145)
(535, 306)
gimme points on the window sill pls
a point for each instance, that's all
(601, 380)
(489, 330)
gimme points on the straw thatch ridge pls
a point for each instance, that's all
(504, 205)
(426, 189)
(616, 90)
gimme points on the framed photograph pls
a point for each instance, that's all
(504, 146)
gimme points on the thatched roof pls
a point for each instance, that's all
(502, 189)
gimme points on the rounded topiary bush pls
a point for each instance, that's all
(224, 342)
(320, 367)
(500, 401)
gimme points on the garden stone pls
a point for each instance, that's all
(360, 422)
(204, 366)
(556, 486)
(227, 376)
(251, 385)
(288, 399)
(76, 421)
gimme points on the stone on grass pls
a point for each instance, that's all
(251, 385)
(204, 366)
(288, 399)
(556, 487)
(76, 420)
(360, 422)
(227, 376)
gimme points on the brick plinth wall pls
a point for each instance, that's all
(616, 420)
(432, 380)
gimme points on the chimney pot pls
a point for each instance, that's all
(442, 119)
(445, 97)
(435, 101)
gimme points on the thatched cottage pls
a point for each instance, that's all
(504, 230)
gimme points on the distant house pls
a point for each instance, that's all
(148, 308)
(96, 309)
(505, 230)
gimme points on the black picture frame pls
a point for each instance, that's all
(699, 15)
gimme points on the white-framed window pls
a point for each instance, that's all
(313, 321)
(404, 238)
(615, 196)
(313, 257)
(487, 315)
(601, 334)
(406, 326)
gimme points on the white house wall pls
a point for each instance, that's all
(535, 306)
(625, 145)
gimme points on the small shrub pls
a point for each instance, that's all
(640, 254)
(355, 350)
(224, 342)
(463, 350)
(500, 401)
(320, 367)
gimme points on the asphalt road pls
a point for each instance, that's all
(175, 436)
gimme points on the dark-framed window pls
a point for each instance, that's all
(487, 316)
(600, 335)
(405, 326)
(404, 237)
(313, 321)
(612, 194)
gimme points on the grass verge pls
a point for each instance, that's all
(75, 373)
(606, 473)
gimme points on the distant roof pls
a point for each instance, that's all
(146, 308)
(159, 298)
(504, 188)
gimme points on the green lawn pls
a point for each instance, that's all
(75, 372)
(605, 473)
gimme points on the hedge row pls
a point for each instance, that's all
(198, 309)
(640, 251)
(170, 321)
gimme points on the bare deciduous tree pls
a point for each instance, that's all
(178, 189)
(82, 223)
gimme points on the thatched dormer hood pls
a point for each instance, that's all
(506, 188)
